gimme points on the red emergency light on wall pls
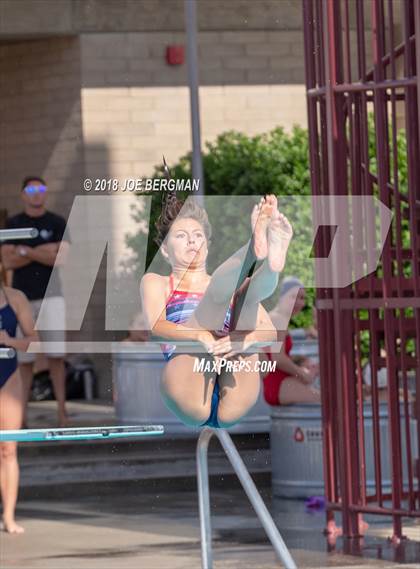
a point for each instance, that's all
(175, 54)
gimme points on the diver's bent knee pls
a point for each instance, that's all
(195, 414)
(193, 421)
(226, 420)
(229, 417)
(189, 412)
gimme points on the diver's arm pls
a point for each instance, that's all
(240, 341)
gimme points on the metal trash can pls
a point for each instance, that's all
(296, 450)
(137, 397)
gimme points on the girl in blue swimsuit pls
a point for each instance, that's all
(14, 309)
(192, 306)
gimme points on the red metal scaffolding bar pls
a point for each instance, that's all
(363, 97)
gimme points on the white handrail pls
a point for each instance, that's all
(7, 353)
(250, 490)
(21, 233)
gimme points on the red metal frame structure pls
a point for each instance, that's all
(363, 96)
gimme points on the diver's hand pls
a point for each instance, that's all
(233, 344)
(207, 339)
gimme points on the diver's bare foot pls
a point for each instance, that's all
(279, 233)
(260, 220)
(12, 527)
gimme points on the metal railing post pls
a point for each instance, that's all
(250, 490)
(204, 497)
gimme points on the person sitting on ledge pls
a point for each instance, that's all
(292, 380)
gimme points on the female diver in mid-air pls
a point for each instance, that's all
(190, 305)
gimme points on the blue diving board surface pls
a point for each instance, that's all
(80, 433)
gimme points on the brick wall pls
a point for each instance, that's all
(81, 16)
(250, 81)
(40, 124)
(41, 133)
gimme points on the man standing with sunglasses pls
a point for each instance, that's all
(32, 263)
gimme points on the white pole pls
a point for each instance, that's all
(192, 63)
(250, 490)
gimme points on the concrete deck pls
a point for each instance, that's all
(127, 528)
(81, 413)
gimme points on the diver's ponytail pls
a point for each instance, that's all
(172, 208)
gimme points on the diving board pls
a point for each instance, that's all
(81, 433)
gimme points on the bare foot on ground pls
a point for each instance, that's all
(12, 527)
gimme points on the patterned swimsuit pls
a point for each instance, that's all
(179, 307)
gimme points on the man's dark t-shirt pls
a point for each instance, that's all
(33, 279)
